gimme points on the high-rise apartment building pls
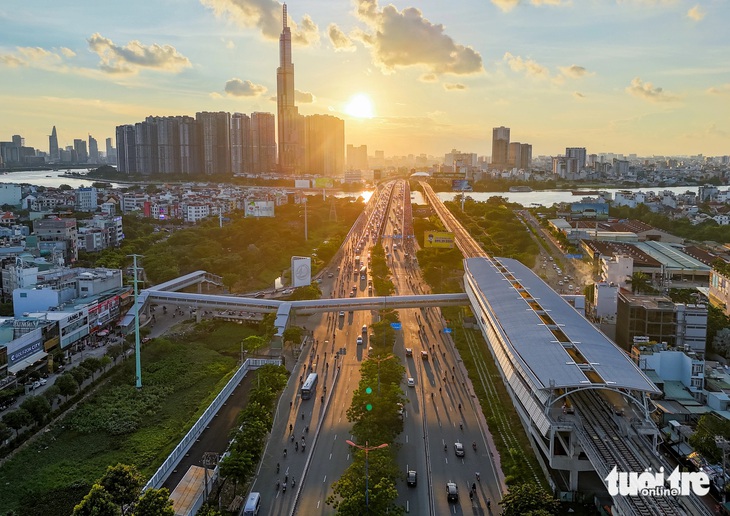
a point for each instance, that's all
(324, 145)
(578, 153)
(519, 155)
(241, 159)
(93, 150)
(111, 152)
(82, 155)
(289, 120)
(263, 143)
(126, 149)
(357, 157)
(189, 145)
(500, 147)
(53, 146)
(215, 142)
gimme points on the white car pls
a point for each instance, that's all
(411, 382)
(359, 340)
(43, 381)
(342, 314)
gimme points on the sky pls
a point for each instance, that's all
(648, 77)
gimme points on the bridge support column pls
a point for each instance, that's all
(200, 287)
(573, 480)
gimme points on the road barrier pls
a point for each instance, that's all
(200, 425)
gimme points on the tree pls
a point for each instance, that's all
(123, 483)
(17, 419)
(96, 503)
(38, 407)
(640, 283)
(105, 361)
(64, 187)
(67, 384)
(253, 343)
(293, 334)
(721, 342)
(5, 433)
(51, 393)
(93, 364)
(529, 499)
(155, 502)
(80, 373)
(703, 440)
(114, 351)
(237, 467)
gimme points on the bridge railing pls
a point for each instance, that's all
(186, 443)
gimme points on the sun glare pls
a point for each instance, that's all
(360, 106)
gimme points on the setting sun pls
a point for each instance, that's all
(360, 106)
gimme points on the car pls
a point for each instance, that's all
(411, 382)
(259, 295)
(424, 355)
(43, 381)
(359, 340)
(364, 329)
(412, 478)
(36, 384)
(352, 294)
(409, 352)
(459, 449)
(400, 409)
(331, 275)
(342, 313)
(452, 492)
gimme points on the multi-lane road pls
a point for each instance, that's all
(440, 411)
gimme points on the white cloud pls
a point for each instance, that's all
(35, 57)
(134, 56)
(405, 38)
(454, 86)
(67, 52)
(340, 41)
(238, 88)
(723, 89)
(266, 16)
(573, 71)
(696, 13)
(530, 67)
(647, 91)
(507, 5)
(303, 97)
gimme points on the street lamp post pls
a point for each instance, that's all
(367, 449)
(378, 360)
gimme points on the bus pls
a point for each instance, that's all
(310, 385)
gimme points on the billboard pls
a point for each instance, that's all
(324, 182)
(460, 185)
(589, 210)
(438, 239)
(301, 271)
(74, 327)
(25, 347)
(301, 183)
(259, 208)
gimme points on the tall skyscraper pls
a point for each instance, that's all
(263, 143)
(500, 147)
(357, 157)
(240, 143)
(53, 145)
(324, 145)
(289, 121)
(577, 152)
(111, 152)
(93, 150)
(82, 155)
(215, 136)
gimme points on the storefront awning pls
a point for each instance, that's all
(26, 362)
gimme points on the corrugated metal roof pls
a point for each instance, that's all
(537, 347)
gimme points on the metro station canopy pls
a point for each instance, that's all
(555, 345)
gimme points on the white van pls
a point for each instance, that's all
(253, 504)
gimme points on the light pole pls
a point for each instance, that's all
(367, 450)
(138, 361)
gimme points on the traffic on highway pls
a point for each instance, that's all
(445, 451)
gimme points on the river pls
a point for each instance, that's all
(50, 178)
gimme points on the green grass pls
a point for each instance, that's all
(57, 470)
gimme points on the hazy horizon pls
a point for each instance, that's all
(643, 77)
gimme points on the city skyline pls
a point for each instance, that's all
(634, 77)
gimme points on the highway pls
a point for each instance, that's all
(433, 421)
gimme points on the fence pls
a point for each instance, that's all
(184, 445)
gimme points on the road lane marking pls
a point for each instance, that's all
(324, 480)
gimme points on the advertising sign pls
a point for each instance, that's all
(324, 182)
(301, 183)
(259, 208)
(25, 346)
(74, 327)
(589, 210)
(301, 271)
(102, 312)
(438, 239)
(460, 185)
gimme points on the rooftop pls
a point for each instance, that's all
(555, 345)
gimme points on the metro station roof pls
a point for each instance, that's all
(552, 343)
